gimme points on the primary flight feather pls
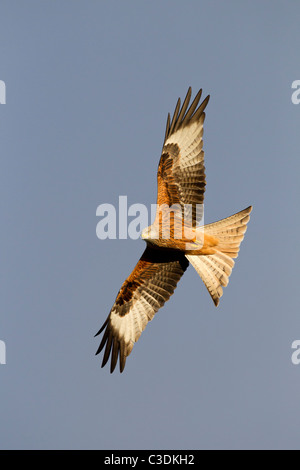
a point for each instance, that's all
(175, 238)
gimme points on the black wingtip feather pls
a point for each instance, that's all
(167, 126)
(102, 327)
(183, 116)
(183, 109)
(122, 356)
(175, 116)
(103, 341)
(201, 108)
(192, 107)
(107, 349)
(114, 354)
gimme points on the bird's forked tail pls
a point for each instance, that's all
(215, 269)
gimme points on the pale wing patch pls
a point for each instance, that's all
(181, 173)
(152, 284)
(190, 143)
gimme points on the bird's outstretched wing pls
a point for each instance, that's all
(148, 287)
(181, 171)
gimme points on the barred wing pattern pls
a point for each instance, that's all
(181, 171)
(181, 183)
(144, 292)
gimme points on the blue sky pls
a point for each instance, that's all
(88, 88)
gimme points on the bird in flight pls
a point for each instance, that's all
(176, 237)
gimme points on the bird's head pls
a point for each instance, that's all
(150, 233)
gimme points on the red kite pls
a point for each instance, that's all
(210, 248)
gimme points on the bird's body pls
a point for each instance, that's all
(175, 238)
